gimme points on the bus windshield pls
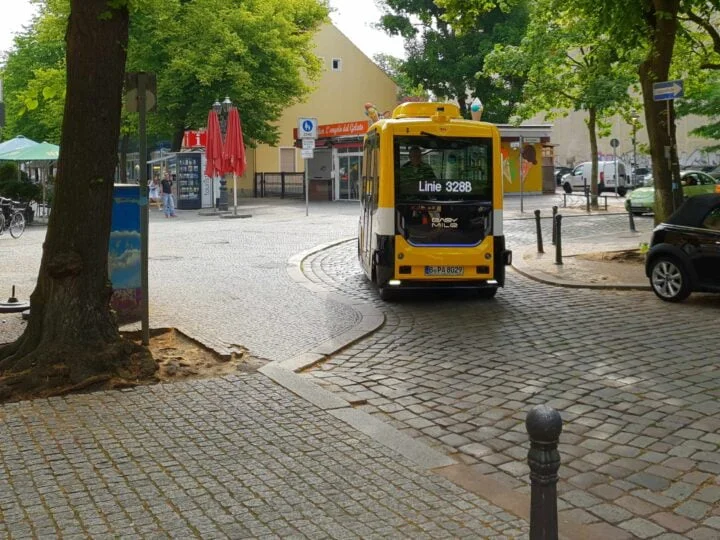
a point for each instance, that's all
(435, 168)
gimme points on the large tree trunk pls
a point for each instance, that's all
(592, 129)
(662, 21)
(72, 339)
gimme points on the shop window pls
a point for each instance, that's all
(287, 160)
(337, 64)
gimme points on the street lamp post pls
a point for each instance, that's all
(634, 116)
(222, 110)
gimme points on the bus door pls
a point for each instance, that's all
(369, 197)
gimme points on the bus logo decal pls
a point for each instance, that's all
(444, 223)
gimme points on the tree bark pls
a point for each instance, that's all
(72, 336)
(662, 21)
(592, 131)
(177, 139)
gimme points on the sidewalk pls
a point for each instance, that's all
(592, 263)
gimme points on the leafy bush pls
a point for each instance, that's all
(20, 191)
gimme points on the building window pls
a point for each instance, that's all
(287, 160)
(337, 64)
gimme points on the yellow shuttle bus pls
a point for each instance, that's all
(432, 202)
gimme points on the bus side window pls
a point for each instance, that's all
(366, 185)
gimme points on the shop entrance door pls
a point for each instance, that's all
(347, 176)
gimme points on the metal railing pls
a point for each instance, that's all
(289, 185)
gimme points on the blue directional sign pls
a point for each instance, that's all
(663, 91)
(307, 128)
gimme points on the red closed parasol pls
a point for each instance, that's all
(213, 148)
(234, 150)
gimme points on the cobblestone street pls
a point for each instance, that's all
(636, 381)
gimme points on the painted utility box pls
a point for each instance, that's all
(124, 253)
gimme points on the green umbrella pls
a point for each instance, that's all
(43, 151)
(16, 143)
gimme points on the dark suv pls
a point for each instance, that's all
(684, 252)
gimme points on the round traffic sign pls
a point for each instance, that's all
(614, 143)
(307, 125)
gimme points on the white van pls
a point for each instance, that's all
(579, 178)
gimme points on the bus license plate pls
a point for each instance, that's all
(444, 270)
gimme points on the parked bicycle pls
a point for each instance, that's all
(12, 218)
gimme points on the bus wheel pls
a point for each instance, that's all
(487, 293)
(387, 294)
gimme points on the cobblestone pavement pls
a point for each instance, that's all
(236, 457)
(636, 380)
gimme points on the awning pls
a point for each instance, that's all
(160, 159)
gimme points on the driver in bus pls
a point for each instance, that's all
(414, 171)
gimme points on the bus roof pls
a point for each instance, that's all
(424, 109)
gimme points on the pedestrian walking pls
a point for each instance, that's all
(168, 203)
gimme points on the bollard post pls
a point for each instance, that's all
(544, 426)
(554, 226)
(587, 200)
(538, 229)
(558, 239)
(564, 200)
(632, 220)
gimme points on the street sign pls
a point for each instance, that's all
(307, 153)
(663, 91)
(614, 143)
(308, 144)
(131, 91)
(307, 128)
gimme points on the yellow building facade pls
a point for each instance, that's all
(348, 81)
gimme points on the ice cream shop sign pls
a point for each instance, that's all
(342, 129)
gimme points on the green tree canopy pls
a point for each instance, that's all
(566, 64)
(257, 52)
(449, 63)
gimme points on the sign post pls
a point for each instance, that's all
(307, 131)
(140, 92)
(668, 91)
(615, 143)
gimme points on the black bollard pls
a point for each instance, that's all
(554, 227)
(544, 426)
(558, 239)
(587, 199)
(539, 231)
(632, 220)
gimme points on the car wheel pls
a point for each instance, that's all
(669, 280)
(567, 187)
(637, 213)
(622, 191)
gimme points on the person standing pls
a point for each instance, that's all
(168, 203)
(154, 192)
